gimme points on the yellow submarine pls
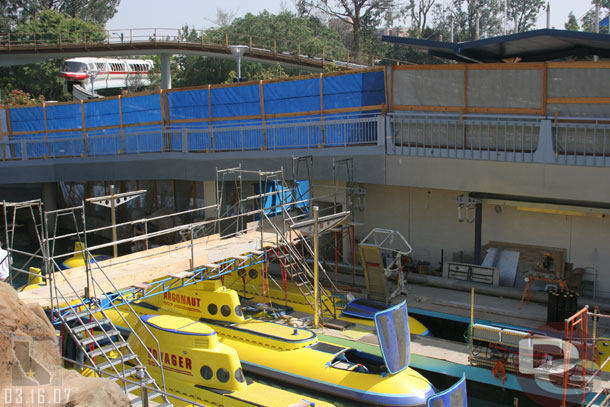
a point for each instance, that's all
(292, 355)
(77, 258)
(200, 368)
(249, 284)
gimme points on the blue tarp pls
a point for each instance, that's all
(291, 97)
(64, 116)
(102, 113)
(355, 90)
(141, 109)
(271, 202)
(27, 119)
(236, 101)
(228, 102)
(392, 327)
(188, 104)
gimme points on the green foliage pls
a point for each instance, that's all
(43, 78)
(308, 33)
(522, 14)
(358, 14)
(16, 12)
(572, 24)
(464, 15)
(587, 22)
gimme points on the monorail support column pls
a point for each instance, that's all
(166, 73)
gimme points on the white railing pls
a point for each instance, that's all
(343, 132)
(471, 137)
(527, 139)
(582, 144)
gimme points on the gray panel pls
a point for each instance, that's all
(477, 135)
(579, 110)
(582, 139)
(518, 88)
(428, 88)
(580, 82)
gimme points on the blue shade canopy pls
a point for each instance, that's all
(392, 327)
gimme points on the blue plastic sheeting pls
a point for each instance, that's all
(455, 396)
(68, 148)
(271, 202)
(238, 135)
(102, 113)
(61, 117)
(293, 96)
(236, 101)
(355, 90)
(149, 141)
(392, 327)
(142, 109)
(27, 119)
(188, 104)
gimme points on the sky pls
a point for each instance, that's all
(198, 13)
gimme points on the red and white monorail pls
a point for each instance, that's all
(107, 72)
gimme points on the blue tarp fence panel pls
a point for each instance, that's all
(236, 101)
(102, 113)
(236, 123)
(143, 109)
(292, 97)
(188, 104)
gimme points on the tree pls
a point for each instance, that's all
(43, 78)
(16, 12)
(464, 14)
(19, 97)
(419, 10)
(524, 13)
(308, 33)
(223, 17)
(587, 22)
(572, 24)
(357, 14)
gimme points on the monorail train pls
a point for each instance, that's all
(106, 72)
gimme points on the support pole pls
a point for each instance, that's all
(166, 73)
(478, 221)
(113, 221)
(316, 314)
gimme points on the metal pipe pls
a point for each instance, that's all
(115, 251)
(315, 268)
(478, 222)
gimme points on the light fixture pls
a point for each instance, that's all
(238, 51)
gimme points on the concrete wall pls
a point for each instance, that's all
(428, 219)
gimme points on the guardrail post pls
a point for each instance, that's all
(250, 43)
(9, 41)
(322, 56)
(545, 151)
(185, 141)
(227, 40)
(299, 51)
(202, 36)
(155, 36)
(60, 41)
(131, 36)
(274, 48)
(381, 130)
(24, 150)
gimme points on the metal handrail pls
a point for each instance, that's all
(100, 372)
(127, 303)
(210, 39)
